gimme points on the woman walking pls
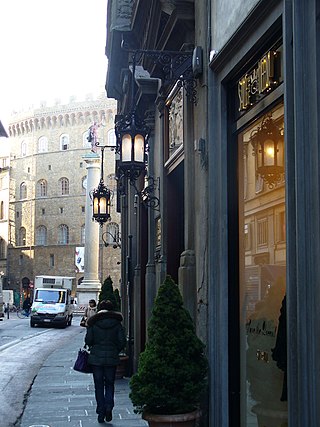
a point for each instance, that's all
(106, 338)
(91, 310)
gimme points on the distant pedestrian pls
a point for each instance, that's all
(91, 309)
(89, 312)
(26, 304)
(105, 338)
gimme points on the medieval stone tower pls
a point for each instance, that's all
(47, 191)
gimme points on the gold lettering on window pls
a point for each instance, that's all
(262, 79)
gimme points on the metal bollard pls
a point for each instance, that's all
(8, 310)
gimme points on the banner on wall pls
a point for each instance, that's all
(79, 259)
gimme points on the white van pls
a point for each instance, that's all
(52, 301)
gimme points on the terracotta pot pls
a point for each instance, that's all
(178, 420)
(122, 367)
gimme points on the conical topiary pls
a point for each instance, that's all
(116, 294)
(107, 293)
(172, 369)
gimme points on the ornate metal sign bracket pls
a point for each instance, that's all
(176, 66)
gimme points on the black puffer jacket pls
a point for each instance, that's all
(106, 338)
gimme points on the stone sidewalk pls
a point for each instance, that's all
(62, 397)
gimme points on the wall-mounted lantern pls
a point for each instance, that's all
(132, 145)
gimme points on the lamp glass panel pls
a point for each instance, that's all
(126, 148)
(103, 205)
(139, 148)
(280, 153)
(95, 206)
(268, 151)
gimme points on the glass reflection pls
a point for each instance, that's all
(262, 290)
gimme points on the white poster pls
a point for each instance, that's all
(79, 259)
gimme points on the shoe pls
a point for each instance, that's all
(100, 419)
(108, 415)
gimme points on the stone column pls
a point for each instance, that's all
(90, 286)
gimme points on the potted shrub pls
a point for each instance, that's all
(107, 293)
(172, 369)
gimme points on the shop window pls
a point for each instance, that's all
(262, 272)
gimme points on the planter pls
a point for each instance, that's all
(178, 420)
(268, 417)
(122, 367)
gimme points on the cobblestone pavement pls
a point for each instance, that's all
(62, 397)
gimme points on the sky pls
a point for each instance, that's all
(50, 49)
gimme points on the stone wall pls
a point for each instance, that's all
(32, 162)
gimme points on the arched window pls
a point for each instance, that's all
(23, 190)
(111, 182)
(85, 141)
(42, 144)
(112, 140)
(42, 188)
(112, 235)
(63, 234)
(64, 186)
(64, 142)
(83, 234)
(41, 235)
(84, 183)
(23, 148)
(3, 253)
(22, 237)
(2, 209)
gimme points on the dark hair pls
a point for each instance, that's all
(92, 301)
(105, 305)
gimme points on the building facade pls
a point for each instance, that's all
(46, 201)
(233, 153)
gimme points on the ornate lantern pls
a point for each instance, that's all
(131, 145)
(101, 197)
(268, 149)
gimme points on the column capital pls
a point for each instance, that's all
(91, 159)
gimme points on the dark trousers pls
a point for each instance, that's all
(104, 377)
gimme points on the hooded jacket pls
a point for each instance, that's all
(105, 337)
